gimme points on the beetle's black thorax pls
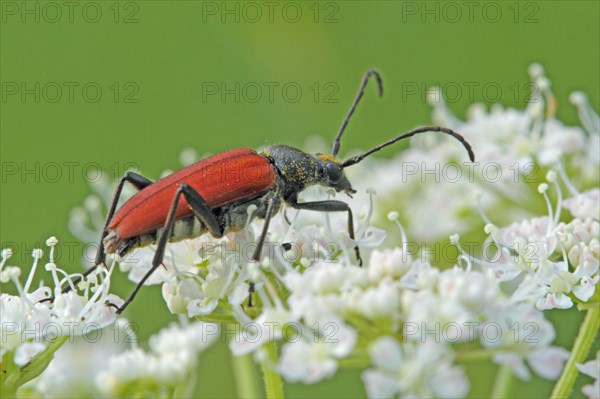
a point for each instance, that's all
(296, 168)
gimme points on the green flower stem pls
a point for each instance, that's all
(16, 376)
(7, 367)
(244, 373)
(587, 333)
(476, 355)
(361, 360)
(273, 384)
(503, 383)
(587, 305)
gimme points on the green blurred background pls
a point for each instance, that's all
(105, 84)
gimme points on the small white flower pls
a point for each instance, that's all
(269, 326)
(26, 351)
(170, 362)
(592, 369)
(585, 205)
(548, 363)
(586, 288)
(520, 333)
(30, 320)
(412, 369)
(307, 362)
(75, 365)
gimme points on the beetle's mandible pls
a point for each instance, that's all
(213, 195)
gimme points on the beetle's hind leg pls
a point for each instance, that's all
(139, 182)
(201, 210)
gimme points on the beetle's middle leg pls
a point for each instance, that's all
(261, 241)
(201, 210)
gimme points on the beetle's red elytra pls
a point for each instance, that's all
(221, 180)
(214, 195)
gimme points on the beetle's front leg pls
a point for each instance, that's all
(329, 206)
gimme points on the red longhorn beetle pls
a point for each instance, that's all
(218, 190)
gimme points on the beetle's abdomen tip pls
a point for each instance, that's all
(111, 242)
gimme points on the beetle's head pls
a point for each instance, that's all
(330, 173)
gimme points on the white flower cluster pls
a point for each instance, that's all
(31, 320)
(331, 312)
(513, 147)
(409, 324)
(550, 261)
(105, 367)
(170, 363)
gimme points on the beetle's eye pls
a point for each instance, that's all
(334, 172)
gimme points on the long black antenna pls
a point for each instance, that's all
(356, 159)
(361, 91)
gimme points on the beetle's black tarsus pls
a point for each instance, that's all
(250, 293)
(285, 217)
(201, 210)
(361, 91)
(112, 305)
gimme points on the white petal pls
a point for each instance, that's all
(386, 354)
(516, 364)
(373, 238)
(238, 295)
(591, 368)
(320, 370)
(342, 341)
(450, 383)
(175, 301)
(585, 289)
(26, 351)
(592, 391)
(584, 205)
(293, 363)
(242, 344)
(379, 385)
(554, 301)
(308, 363)
(201, 307)
(548, 362)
